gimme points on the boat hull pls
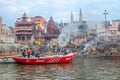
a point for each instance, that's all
(45, 60)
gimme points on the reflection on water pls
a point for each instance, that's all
(42, 71)
(34, 72)
(78, 69)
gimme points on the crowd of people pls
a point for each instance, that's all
(40, 51)
(45, 50)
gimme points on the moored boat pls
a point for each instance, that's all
(46, 60)
(5, 57)
(112, 56)
(2, 55)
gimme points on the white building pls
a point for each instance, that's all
(7, 35)
(110, 34)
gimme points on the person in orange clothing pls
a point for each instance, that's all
(29, 51)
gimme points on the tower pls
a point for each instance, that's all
(80, 15)
(61, 24)
(71, 17)
(24, 17)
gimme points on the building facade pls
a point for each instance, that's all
(52, 29)
(40, 26)
(24, 28)
(7, 35)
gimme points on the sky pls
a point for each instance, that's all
(60, 10)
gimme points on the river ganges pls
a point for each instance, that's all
(78, 69)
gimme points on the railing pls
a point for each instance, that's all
(23, 33)
(23, 28)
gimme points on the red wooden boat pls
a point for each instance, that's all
(46, 60)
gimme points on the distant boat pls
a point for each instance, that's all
(112, 56)
(8, 50)
(46, 60)
(7, 57)
(2, 55)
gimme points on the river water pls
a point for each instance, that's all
(78, 69)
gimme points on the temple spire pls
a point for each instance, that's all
(71, 17)
(24, 14)
(51, 17)
(24, 17)
(61, 24)
(80, 15)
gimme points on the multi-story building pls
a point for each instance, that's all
(39, 21)
(35, 27)
(40, 26)
(111, 33)
(24, 28)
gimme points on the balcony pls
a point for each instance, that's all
(23, 33)
(23, 28)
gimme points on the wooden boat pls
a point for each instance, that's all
(46, 60)
(112, 56)
(8, 50)
(6, 56)
(2, 55)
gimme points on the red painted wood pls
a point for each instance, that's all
(45, 60)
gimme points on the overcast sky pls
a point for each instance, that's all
(92, 10)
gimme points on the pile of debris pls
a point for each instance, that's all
(98, 51)
(109, 49)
